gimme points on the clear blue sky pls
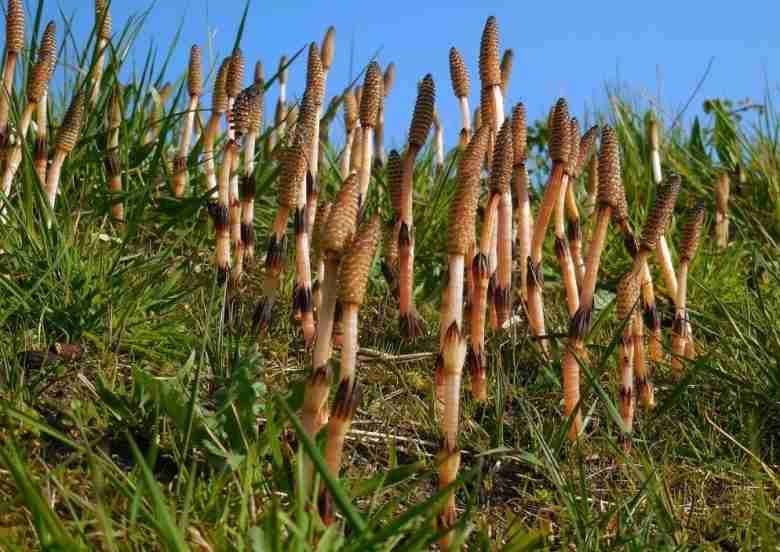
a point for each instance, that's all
(561, 48)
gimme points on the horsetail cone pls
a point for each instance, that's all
(660, 214)
(586, 148)
(14, 26)
(103, 19)
(195, 73)
(574, 148)
(315, 76)
(357, 263)
(372, 95)
(463, 209)
(243, 109)
(489, 60)
(487, 109)
(423, 113)
(328, 49)
(48, 46)
(235, 74)
(519, 134)
(38, 80)
(256, 109)
(459, 74)
(69, 131)
(343, 217)
(388, 80)
(219, 100)
(318, 231)
(395, 175)
(501, 173)
(610, 180)
(560, 144)
(291, 171)
(350, 110)
(507, 61)
(691, 234)
(627, 295)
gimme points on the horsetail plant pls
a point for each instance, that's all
(369, 113)
(657, 220)
(245, 246)
(302, 300)
(460, 233)
(523, 217)
(574, 225)
(219, 104)
(103, 24)
(610, 187)
(114, 171)
(394, 178)
(689, 243)
(353, 281)
(626, 300)
(67, 137)
(562, 251)
(560, 147)
(722, 192)
(388, 80)
(292, 168)
(351, 122)
(328, 50)
(460, 86)
(422, 119)
(14, 43)
(233, 86)
(315, 84)
(507, 60)
(500, 178)
(48, 49)
(195, 90)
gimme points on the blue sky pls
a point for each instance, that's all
(561, 48)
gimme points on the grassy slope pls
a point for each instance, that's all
(175, 431)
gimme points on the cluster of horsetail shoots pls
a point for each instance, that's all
(335, 240)
(422, 119)
(610, 187)
(37, 86)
